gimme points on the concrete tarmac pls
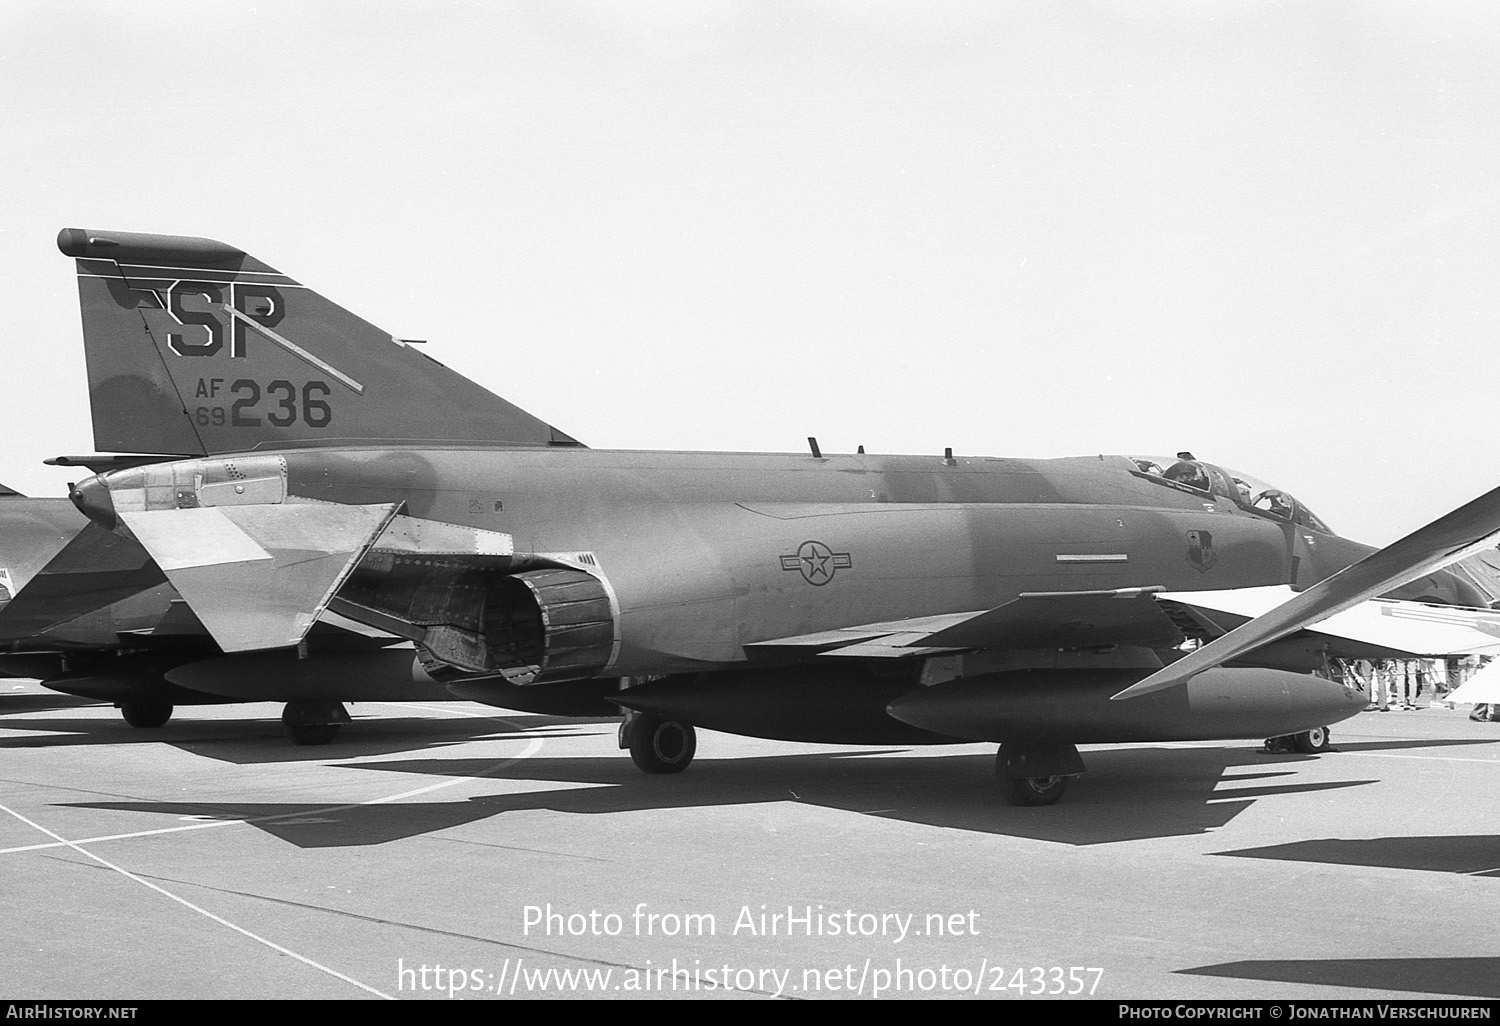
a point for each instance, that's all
(458, 851)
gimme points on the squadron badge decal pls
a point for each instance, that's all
(1200, 551)
(816, 562)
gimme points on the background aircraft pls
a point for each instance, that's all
(115, 652)
(866, 599)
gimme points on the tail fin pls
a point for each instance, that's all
(196, 348)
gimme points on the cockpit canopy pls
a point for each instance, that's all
(1241, 489)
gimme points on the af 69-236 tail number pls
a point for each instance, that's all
(279, 403)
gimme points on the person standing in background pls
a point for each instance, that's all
(1408, 682)
(1436, 674)
(1380, 692)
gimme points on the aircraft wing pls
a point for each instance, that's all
(1467, 530)
(258, 576)
(1068, 619)
(1141, 616)
(94, 570)
(1411, 627)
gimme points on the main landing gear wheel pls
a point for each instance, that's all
(312, 733)
(662, 746)
(1031, 791)
(1037, 772)
(146, 712)
(1312, 742)
(313, 722)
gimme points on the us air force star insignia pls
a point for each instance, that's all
(816, 562)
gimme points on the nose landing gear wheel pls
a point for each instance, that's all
(662, 746)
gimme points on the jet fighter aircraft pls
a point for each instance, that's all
(836, 598)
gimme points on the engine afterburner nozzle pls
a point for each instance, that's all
(93, 501)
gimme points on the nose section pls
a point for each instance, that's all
(93, 501)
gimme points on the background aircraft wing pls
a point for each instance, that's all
(94, 570)
(1469, 529)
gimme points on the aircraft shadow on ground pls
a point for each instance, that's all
(1394, 746)
(1467, 977)
(1466, 854)
(264, 742)
(11, 705)
(1128, 795)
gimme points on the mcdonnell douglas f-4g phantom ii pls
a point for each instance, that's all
(856, 599)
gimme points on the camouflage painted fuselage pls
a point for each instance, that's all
(705, 553)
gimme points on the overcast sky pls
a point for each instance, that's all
(1266, 232)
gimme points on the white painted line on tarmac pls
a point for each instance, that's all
(123, 837)
(201, 911)
(1424, 758)
(531, 749)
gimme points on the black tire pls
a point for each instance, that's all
(662, 746)
(312, 733)
(146, 712)
(1313, 742)
(1028, 791)
(1033, 791)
